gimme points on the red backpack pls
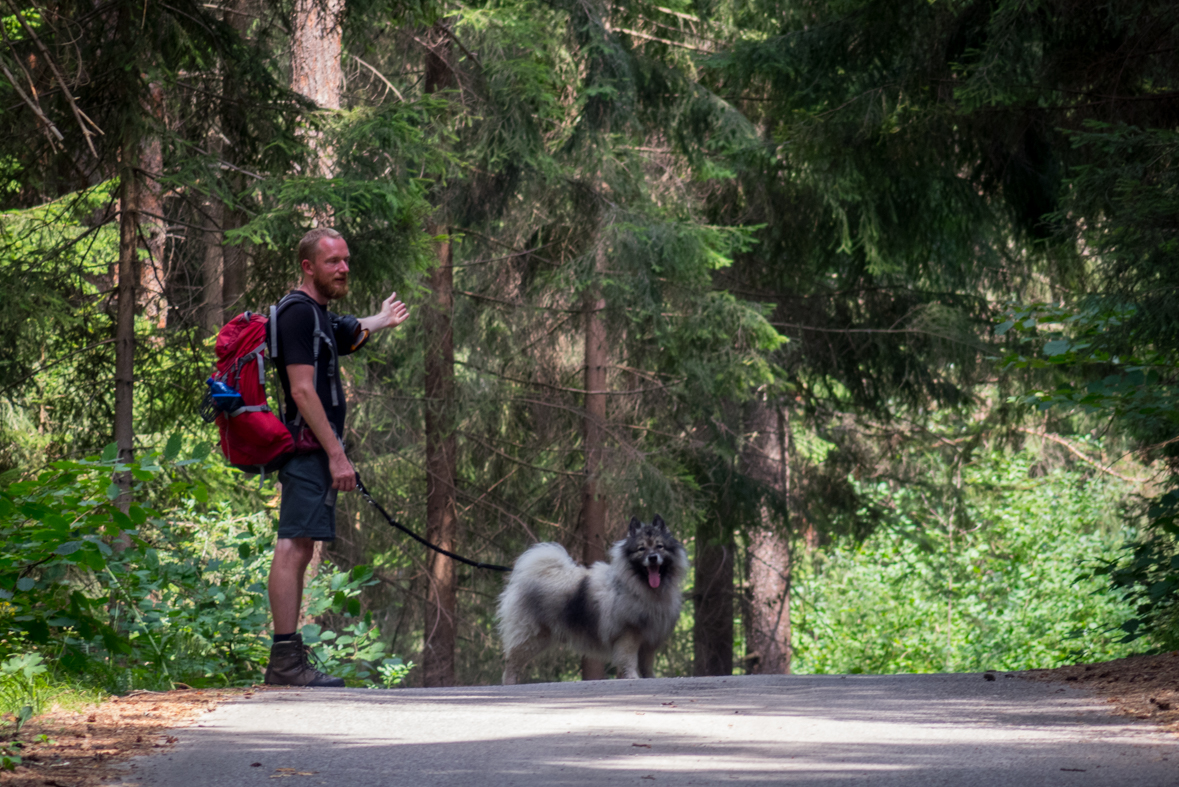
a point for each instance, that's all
(253, 438)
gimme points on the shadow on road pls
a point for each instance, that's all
(894, 730)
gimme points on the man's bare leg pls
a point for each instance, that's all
(291, 558)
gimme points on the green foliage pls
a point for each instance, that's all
(9, 758)
(393, 672)
(356, 654)
(1133, 383)
(1146, 574)
(990, 580)
(937, 150)
(58, 525)
(24, 687)
(147, 599)
(377, 197)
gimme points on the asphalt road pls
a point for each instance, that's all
(891, 731)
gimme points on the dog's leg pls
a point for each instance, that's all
(647, 660)
(517, 658)
(626, 655)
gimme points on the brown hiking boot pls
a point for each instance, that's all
(290, 665)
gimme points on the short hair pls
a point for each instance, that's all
(307, 244)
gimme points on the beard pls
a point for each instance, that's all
(332, 286)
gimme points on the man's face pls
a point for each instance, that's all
(329, 268)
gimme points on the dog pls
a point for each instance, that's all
(620, 611)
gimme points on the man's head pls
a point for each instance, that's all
(323, 258)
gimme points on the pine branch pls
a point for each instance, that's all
(514, 460)
(910, 331)
(53, 363)
(560, 388)
(502, 302)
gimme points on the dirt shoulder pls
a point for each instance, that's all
(78, 748)
(1145, 687)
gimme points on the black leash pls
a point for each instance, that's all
(419, 539)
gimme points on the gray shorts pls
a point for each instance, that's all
(308, 508)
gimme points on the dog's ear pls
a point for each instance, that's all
(634, 527)
(659, 523)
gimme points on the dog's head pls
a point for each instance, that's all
(653, 552)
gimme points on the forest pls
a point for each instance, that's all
(874, 301)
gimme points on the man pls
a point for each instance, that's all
(307, 360)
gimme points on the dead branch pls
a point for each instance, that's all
(1081, 455)
(33, 105)
(381, 77)
(79, 115)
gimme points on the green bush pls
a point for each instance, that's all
(144, 599)
(24, 686)
(994, 579)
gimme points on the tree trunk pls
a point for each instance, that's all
(767, 604)
(150, 219)
(438, 647)
(317, 71)
(441, 512)
(211, 269)
(128, 277)
(593, 505)
(234, 267)
(316, 68)
(712, 635)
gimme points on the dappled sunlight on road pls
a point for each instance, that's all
(895, 731)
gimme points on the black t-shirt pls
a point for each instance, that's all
(296, 345)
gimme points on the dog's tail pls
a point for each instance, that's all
(541, 571)
(542, 558)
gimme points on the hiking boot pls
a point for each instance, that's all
(290, 665)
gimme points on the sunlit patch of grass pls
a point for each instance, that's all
(28, 689)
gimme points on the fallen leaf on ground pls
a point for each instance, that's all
(1154, 694)
(82, 747)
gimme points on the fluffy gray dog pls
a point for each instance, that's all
(620, 611)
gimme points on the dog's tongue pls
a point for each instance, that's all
(653, 576)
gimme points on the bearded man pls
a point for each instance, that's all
(310, 341)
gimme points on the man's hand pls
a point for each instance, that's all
(343, 473)
(393, 312)
(302, 377)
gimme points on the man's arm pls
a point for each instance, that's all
(393, 312)
(302, 377)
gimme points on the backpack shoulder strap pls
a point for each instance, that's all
(298, 296)
(272, 351)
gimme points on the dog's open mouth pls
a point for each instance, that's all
(653, 576)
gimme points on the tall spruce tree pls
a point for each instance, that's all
(922, 164)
